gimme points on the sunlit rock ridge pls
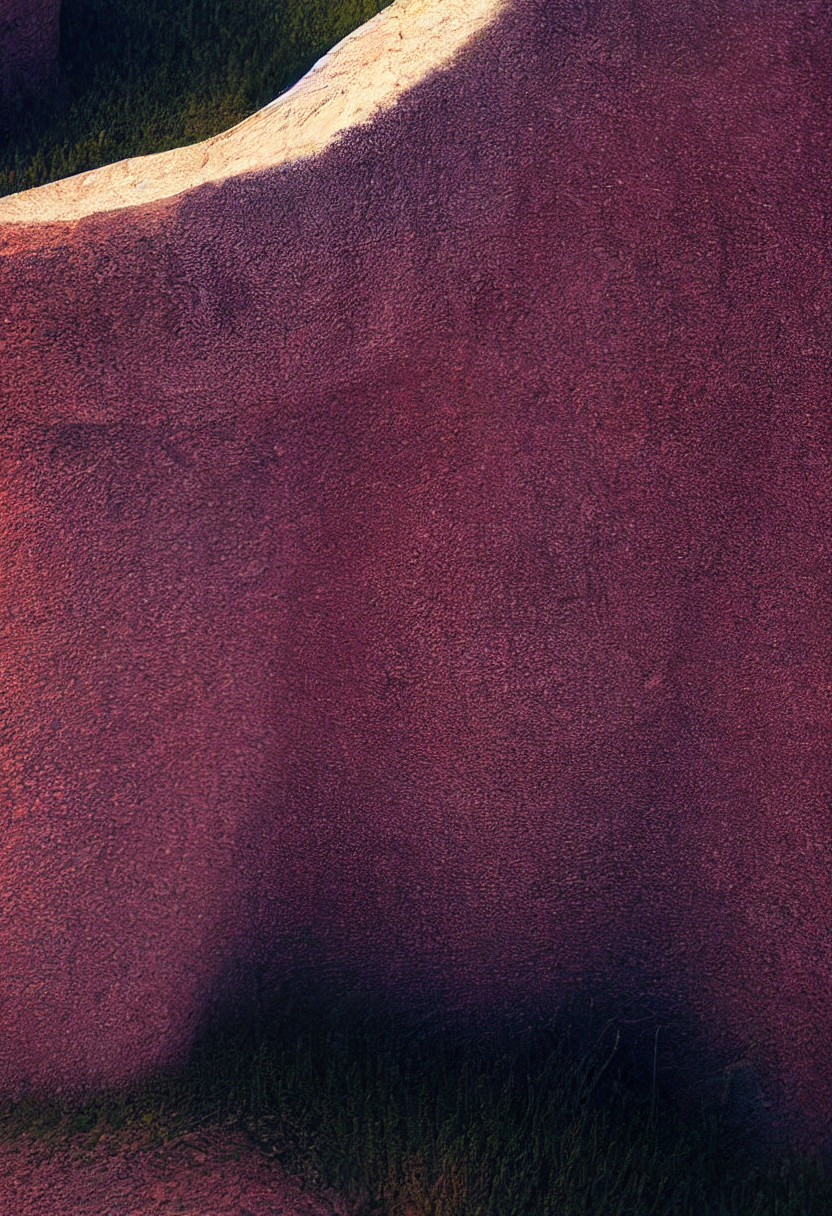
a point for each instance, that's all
(360, 77)
(414, 553)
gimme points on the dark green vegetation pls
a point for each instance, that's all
(403, 1120)
(141, 76)
(397, 1121)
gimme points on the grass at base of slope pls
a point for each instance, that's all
(402, 1121)
(143, 76)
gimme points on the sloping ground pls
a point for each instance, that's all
(365, 73)
(215, 1173)
(416, 564)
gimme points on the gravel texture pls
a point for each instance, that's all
(416, 566)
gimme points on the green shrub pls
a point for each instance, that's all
(142, 76)
(403, 1119)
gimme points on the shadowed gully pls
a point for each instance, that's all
(415, 567)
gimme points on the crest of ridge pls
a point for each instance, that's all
(362, 75)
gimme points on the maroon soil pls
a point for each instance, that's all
(417, 566)
(208, 1173)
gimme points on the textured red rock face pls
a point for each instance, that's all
(29, 38)
(416, 565)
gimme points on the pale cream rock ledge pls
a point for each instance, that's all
(363, 74)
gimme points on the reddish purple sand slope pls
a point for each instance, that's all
(29, 39)
(416, 565)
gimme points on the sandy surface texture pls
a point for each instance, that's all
(366, 72)
(209, 1173)
(416, 574)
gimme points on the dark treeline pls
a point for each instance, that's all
(142, 76)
